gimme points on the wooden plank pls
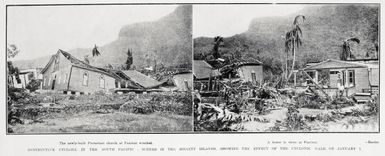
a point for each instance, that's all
(362, 94)
(320, 88)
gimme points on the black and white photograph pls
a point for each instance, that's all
(129, 77)
(286, 67)
(99, 69)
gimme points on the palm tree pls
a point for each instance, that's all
(217, 42)
(129, 60)
(293, 39)
(95, 51)
(346, 53)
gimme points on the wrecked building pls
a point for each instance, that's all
(206, 78)
(244, 71)
(356, 76)
(66, 73)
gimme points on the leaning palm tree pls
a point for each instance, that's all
(293, 40)
(95, 51)
(346, 53)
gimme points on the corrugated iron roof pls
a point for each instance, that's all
(141, 79)
(335, 64)
(203, 70)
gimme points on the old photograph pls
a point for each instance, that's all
(99, 69)
(286, 67)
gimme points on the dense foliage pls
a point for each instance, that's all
(33, 85)
(326, 28)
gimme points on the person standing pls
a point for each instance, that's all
(340, 86)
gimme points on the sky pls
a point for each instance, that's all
(228, 20)
(41, 30)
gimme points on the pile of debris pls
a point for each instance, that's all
(241, 102)
(293, 122)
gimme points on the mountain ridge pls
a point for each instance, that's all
(324, 30)
(154, 42)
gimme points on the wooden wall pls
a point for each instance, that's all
(246, 70)
(76, 81)
(64, 67)
(361, 80)
(74, 77)
(179, 81)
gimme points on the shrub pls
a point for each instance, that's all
(33, 85)
(293, 122)
(174, 103)
(20, 96)
(137, 107)
(371, 109)
(312, 101)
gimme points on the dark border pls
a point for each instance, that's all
(192, 131)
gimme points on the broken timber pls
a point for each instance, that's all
(315, 83)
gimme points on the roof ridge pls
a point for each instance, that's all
(339, 61)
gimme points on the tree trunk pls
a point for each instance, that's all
(287, 56)
(292, 66)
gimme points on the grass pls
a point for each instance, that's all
(111, 122)
(103, 113)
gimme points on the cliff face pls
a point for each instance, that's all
(166, 41)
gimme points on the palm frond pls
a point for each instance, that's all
(95, 52)
(354, 39)
(299, 20)
(298, 29)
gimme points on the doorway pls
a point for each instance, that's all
(53, 83)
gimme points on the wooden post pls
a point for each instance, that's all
(316, 76)
(295, 79)
(209, 85)
(253, 77)
(215, 83)
(186, 85)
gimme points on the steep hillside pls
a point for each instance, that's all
(166, 41)
(324, 30)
